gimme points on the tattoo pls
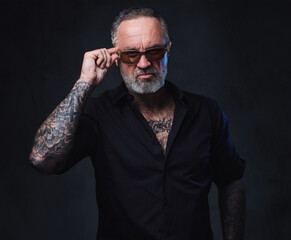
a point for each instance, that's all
(232, 208)
(161, 125)
(54, 138)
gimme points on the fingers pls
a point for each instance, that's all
(104, 57)
(108, 59)
(113, 50)
(100, 58)
(113, 58)
(112, 55)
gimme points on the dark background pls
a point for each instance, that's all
(236, 52)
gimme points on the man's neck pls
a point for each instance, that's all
(154, 102)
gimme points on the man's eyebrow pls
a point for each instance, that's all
(156, 45)
(130, 49)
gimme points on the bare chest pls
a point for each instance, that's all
(161, 125)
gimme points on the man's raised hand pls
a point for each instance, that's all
(96, 63)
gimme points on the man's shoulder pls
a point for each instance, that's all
(200, 105)
(195, 99)
(190, 98)
(101, 97)
(103, 100)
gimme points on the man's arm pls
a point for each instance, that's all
(232, 201)
(54, 139)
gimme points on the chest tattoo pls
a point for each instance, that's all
(161, 126)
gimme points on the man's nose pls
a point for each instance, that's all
(143, 62)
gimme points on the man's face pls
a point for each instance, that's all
(141, 34)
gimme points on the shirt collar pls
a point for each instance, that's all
(121, 93)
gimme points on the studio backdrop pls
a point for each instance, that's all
(235, 52)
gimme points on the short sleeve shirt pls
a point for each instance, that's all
(141, 192)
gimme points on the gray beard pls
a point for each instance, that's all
(145, 86)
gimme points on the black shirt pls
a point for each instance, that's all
(142, 193)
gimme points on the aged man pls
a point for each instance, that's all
(155, 149)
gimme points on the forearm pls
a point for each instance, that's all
(54, 139)
(232, 203)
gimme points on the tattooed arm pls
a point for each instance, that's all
(232, 210)
(54, 139)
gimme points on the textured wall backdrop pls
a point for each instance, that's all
(236, 52)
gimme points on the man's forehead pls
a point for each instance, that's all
(140, 21)
(140, 31)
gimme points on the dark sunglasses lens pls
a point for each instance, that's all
(130, 57)
(134, 57)
(155, 54)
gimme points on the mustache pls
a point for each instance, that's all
(150, 70)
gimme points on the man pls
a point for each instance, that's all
(155, 149)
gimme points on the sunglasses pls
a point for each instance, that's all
(132, 57)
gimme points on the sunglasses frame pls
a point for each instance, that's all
(166, 49)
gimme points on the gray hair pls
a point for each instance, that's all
(133, 13)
